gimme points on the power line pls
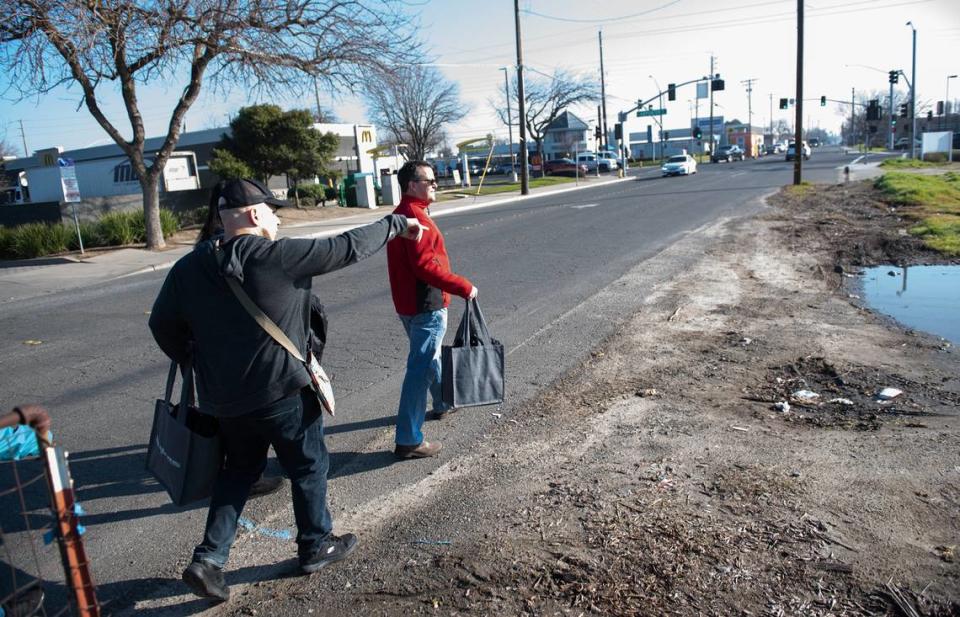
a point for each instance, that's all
(601, 20)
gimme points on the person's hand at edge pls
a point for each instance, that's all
(414, 230)
(473, 293)
(34, 416)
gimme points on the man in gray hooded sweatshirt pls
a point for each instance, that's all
(259, 392)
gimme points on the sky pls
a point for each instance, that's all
(848, 44)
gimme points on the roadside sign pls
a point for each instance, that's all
(68, 181)
(651, 112)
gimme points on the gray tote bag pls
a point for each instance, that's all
(184, 454)
(472, 369)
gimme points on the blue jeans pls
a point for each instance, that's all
(425, 331)
(294, 426)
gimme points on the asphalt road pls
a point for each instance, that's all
(539, 264)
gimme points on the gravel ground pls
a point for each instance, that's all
(660, 478)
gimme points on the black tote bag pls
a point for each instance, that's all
(472, 370)
(184, 452)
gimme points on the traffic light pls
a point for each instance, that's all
(939, 108)
(873, 110)
(597, 132)
(903, 110)
(671, 92)
(929, 114)
(783, 103)
(823, 101)
(697, 133)
(618, 131)
(717, 85)
(894, 76)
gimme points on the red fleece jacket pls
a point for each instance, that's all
(420, 276)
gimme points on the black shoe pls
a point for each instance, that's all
(206, 580)
(266, 485)
(334, 549)
(425, 449)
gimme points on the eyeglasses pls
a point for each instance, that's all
(432, 181)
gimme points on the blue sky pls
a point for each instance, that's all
(672, 40)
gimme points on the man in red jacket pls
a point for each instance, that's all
(421, 283)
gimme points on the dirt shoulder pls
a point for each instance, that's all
(658, 478)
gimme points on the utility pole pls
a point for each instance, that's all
(603, 91)
(913, 96)
(890, 124)
(772, 138)
(712, 77)
(749, 84)
(521, 108)
(798, 135)
(23, 136)
(853, 114)
(506, 89)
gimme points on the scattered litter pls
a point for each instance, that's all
(889, 393)
(433, 542)
(497, 415)
(853, 296)
(946, 553)
(891, 273)
(32, 342)
(279, 534)
(742, 429)
(841, 401)
(805, 396)
(782, 406)
(794, 474)
(647, 392)
(746, 341)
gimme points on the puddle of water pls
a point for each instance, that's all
(920, 297)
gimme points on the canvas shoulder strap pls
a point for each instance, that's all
(258, 315)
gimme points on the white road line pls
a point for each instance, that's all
(855, 161)
(585, 206)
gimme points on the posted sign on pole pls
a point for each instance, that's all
(68, 180)
(71, 192)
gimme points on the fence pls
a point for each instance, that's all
(38, 519)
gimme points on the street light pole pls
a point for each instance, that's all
(521, 108)
(913, 96)
(946, 99)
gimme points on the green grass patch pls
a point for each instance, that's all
(907, 164)
(799, 190)
(932, 193)
(933, 200)
(940, 232)
(496, 189)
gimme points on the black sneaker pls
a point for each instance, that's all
(440, 414)
(266, 485)
(334, 549)
(206, 580)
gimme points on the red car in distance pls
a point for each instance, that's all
(564, 167)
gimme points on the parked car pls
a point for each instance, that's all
(792, 150)
(771, 149)
(814, 142)
(679, 165)
(610, 160)
(588, 160)
(564, 167)
(728, 153)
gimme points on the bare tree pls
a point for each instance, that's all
(413, 103)
(546, 100)
(264, 45)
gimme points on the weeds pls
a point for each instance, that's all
(934, 201)
(114, 229)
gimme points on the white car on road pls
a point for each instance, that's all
(681, 164)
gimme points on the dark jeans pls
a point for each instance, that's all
(294, 427)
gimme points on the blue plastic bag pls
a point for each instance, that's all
(18, 442)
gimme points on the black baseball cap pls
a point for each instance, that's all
(245, 192)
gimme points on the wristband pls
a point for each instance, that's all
(19, 412)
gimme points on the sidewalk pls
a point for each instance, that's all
(21, 280)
